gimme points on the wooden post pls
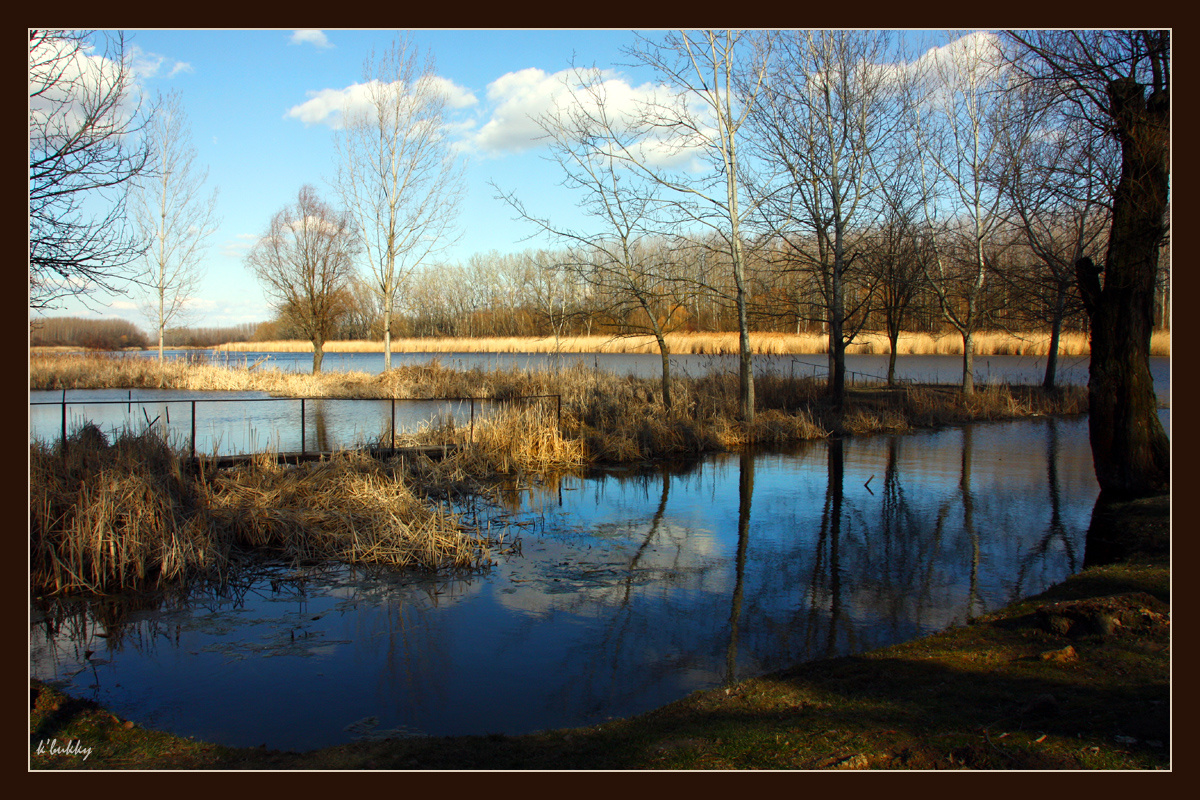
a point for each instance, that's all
(302, 431)
(472, 420)
(64, 423)
(393, 426)
(193, 430)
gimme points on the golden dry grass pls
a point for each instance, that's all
(130, 516)
(986, 343)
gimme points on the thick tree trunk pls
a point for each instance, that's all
(1130, 449)
(318, 355)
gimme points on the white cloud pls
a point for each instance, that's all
(313, 36)
(519, 98)
(149, 65)
(326, 106)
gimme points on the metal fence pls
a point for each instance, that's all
(130, 402)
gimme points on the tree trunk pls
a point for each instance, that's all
(318, 355)
(968, 376)
(665, 351)
(894, 339)
(1060, 300)
(1130, 449)
(387, 333)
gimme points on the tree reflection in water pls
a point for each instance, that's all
(631, 588)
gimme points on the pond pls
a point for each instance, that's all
(630, 588)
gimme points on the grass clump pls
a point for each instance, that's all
(134, 515)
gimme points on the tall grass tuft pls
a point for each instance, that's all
(129, 515)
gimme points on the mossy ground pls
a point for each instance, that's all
(1075, 678)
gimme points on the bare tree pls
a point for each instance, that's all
(714, 79)
(305, 261)
(826, 118)
(1118, 81)
(172, 217)
(617, 260)
(1058, 198)
(84, 151)
(896, 257)
(965, 122)
(398, 174)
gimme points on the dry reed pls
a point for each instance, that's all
(987, 343)
(129, 515)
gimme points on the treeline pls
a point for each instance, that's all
(94, 334)
(540, 292)
(118, 334)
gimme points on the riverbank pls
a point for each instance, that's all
(1077, 677)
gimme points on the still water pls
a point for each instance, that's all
(862, 367)
(631, 588)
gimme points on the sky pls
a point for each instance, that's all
(259, 106)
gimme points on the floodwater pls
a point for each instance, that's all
(861, 367)
(629, 589)
(245, 422)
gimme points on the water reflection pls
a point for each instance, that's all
(631, 588)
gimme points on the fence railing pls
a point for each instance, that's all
(130, 402)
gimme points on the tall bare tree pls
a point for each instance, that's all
(714, 78)
(826, 118)
(1059, 200)
(1119, 82)
(398, 175)
(172, 216)
(964, 125)
(84, 152)
(305, 261)
(618, 258)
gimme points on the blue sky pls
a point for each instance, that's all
(245, 93)
(238, 87)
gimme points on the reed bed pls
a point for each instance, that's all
(130, 516)
(987, 343)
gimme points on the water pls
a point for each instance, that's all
(862, 367)
(631, 589)
(244, 422)
(234, 426)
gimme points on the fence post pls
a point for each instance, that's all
(193, 430)
(302, 432)
(64, 420)
(393, 426)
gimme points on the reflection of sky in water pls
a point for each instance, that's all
(622, 598)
